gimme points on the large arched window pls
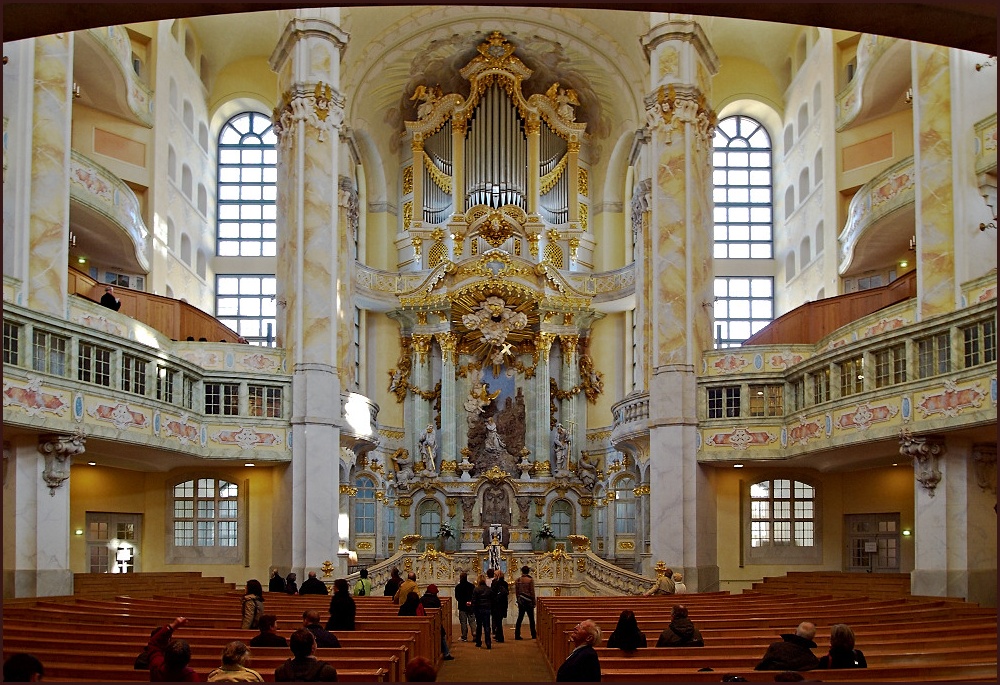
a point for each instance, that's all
(247, 187)
(783, 520)
(741, 158)
(429, 516)
(364, 506)
(561, 519)
(625, 506)
(205, 521)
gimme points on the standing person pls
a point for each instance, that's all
(411, 606)
(268, 636)
(626, 635)
(235, 657)
(463, 598)
(304, 666)
(793, 652)
(313, 586)
(679, 587)
(324, 638)
(291, 587)
(664, 584)
(524, 593)
(501, 600)
(430, 600)
(681, 632)
(392, 585)
(169, 658)
(582, 665)
(842, 653)
(277, 583)
(342, 607)
(363, 588)
(405, 588)
(253, 604)
(482, 604)
(109, 300)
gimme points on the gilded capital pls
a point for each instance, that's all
(421, 345)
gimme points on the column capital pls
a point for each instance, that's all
(300, 28)
(58, 450)
(925, 450)
(984, 459)
(684, 31)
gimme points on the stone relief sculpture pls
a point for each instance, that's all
(497, 438)
(428, 448)
(586, 470)
(561, 446)
(404, 467)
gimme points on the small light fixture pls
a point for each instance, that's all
(903, 264)
(248, 464)
(737, 466)
(81, 260)
(91, 463)
(78, 531)
(895, 464)
(907, 532)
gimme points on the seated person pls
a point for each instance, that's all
(22, 668)
(626, 635)
(793, 653)
(842, 653)
(681, 632)
(324, 638)
(268, 636)
(304, 666)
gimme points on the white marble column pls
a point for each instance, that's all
(308, 119)
(569, 412)
(447, 443)
(419, 381)
(677, 283)
(542, 430)
(955, 526)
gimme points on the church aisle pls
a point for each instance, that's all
(512, 661)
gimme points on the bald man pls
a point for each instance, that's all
(793, 653)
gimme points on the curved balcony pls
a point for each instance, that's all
(879, 84)
(102, 67)
(360, 417)
(376, 289)
(105, 215)
(880, 220)
(630, 430)
(611, 290)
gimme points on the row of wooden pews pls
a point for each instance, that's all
(904, 638)
(84, 639)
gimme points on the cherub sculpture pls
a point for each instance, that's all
(564, 99)
(428, 97)
(494, 320)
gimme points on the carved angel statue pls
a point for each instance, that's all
(561, 447)
(428, 97)
(494, 320)
(564, 100)
(399, 377)
(586, 470)
(592, 379)
(404, 466)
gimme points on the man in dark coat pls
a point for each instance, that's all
(109, 300)
(304, 666)
(313, 586)
(392, 585)
(501, 597)
(277, 583)
(463, 598)
(582, 665)
(681, 631)
(793, 653)
(324, 638)
(268, 636)
(524, 593)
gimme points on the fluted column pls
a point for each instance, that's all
(417, 148)
(48, 196)
(678, 281)
(955, 526)
(532, 127)
(458, 129)
(569, 411)
(307, 122)
(447, 442)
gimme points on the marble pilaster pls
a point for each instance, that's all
(421, 379)
(935, 196)
(447, 444)
(543, 398)
(307, 121)
(48, 205)
(39, 548)
(955, 531)
(569, 412)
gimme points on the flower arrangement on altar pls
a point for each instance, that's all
(545, 532)
(446, 531)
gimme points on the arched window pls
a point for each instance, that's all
(364, 506)
(171, 234)
(561, 519)
(187, 182)
(205, 521)
(783, 519)
(200, 264)
(202, 200)
(186, 249)
(818, 166)
(742, 189)
(803, 185)
(819, 238)
(247, 187)
(429, 518)
(805, 252)
(789, 202)
(171, 163)
(625, 505)
(803, 120)
(189, 49)
(743, 306)
(203, 136)
(789, 138)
